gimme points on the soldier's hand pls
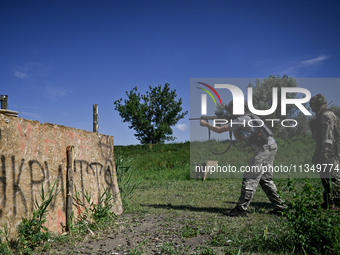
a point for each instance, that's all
(323, 156)
(203, 123)
(325, 146)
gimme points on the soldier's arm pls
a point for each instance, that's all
(328, 122)
(218, 130)
(237, 137)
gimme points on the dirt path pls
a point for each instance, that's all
(142, 234)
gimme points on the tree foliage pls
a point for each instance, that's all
(151, 115)
(262, 100)
(263, 94)
(336, 109)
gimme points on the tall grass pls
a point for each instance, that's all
(164, 173)
(171, 162)
(156, 162)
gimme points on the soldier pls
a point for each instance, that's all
(265, 151)
(325, 133)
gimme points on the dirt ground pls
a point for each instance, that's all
(141, 234)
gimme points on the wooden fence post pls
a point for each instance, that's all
(95, 118)
(3, 99)
(69, 186)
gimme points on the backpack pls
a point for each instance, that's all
(261, 133)
(336, 141)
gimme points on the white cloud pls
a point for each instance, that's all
(53, 92)
(31, 70)
(182, 127)
(34, 72)
(314, 61)
(20, 75)
(295, 67)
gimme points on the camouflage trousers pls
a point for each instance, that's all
(261, 160)
(330, 180)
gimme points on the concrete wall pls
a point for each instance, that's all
(34, 154)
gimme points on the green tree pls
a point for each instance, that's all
(262, 100)
(151, 115)
(336, 109)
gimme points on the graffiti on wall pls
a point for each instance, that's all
(33, 155)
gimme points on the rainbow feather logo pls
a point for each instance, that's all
(209, 93)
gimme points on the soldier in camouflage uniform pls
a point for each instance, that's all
(264, 156)
(325, 133)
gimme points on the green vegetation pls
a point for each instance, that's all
(155, 180)
(92, 215)
(310, 228)
(4, 241)
(188, 231)
(297, 151)
(34, 237)
(263, 100)
(165, 186)
(155, 162)
(31, 232)
(126, 189)
(153, 118)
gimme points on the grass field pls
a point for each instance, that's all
(165, 187)
(167, 212)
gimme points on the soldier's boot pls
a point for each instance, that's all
(236, 213)
(337, 202)
(277, 211)
(327, 205)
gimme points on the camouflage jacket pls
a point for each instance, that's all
(324, 129)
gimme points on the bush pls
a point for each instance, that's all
(93, 213)
(4, 249)
(126, 187)
(311, 229)
(31, 231)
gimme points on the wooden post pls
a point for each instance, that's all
(210, 163)
(95, 118)
(69, 186)
(3, 99)
(205, 169)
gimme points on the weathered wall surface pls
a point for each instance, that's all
(34, 154)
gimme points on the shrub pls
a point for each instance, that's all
(94, 213)
(31, 231)
(311, 229)
(126, 187)
(4, 249)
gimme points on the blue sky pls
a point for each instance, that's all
(58, 58)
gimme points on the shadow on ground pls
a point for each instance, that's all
(219, 210)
